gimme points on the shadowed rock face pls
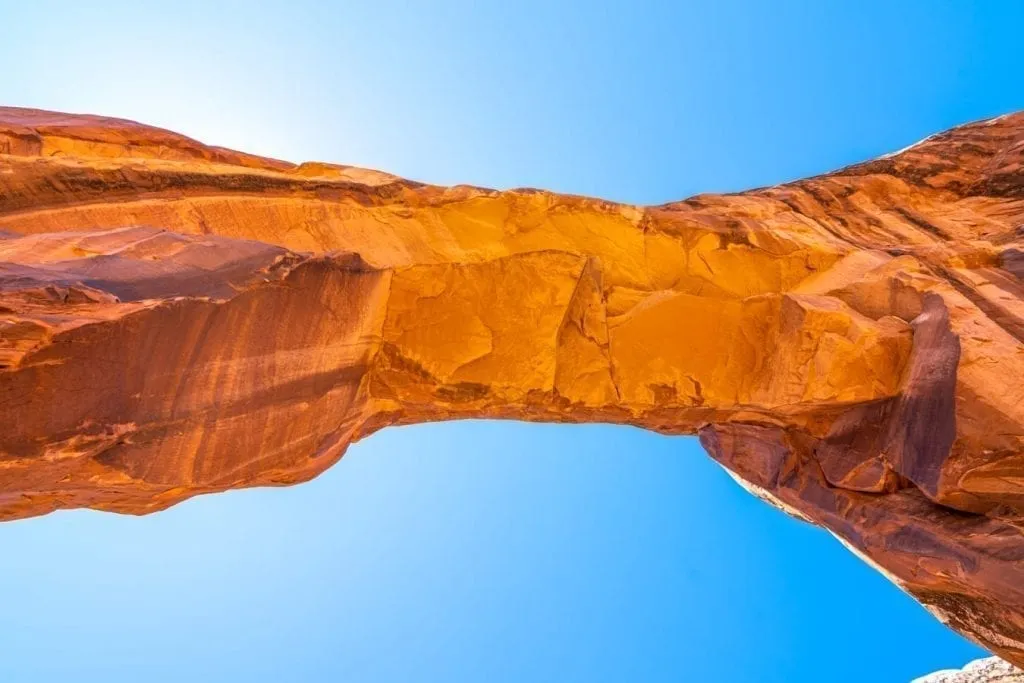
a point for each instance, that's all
(177, 319)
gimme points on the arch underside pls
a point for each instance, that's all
(177, 319)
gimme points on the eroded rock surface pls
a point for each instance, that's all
(177, 319)
(990, 670)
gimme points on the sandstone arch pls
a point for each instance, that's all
(178, 319)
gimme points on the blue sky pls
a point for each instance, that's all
(484, 551)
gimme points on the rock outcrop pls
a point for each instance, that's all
(177, 319)
(990, 670)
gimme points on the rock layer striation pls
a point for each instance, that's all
(178, 319)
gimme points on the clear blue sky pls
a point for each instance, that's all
(481, 551)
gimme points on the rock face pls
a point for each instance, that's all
(991, 670)
(177, 319)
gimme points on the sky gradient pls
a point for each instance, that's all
(486, 551)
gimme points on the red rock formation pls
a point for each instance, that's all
(178, 319)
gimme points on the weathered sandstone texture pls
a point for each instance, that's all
(990, 670)
(178, 319)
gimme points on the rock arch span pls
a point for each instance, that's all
(177, 319)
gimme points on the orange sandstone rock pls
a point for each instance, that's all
(177, 319)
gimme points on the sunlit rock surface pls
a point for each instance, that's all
(177, 319)
(991, 670)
